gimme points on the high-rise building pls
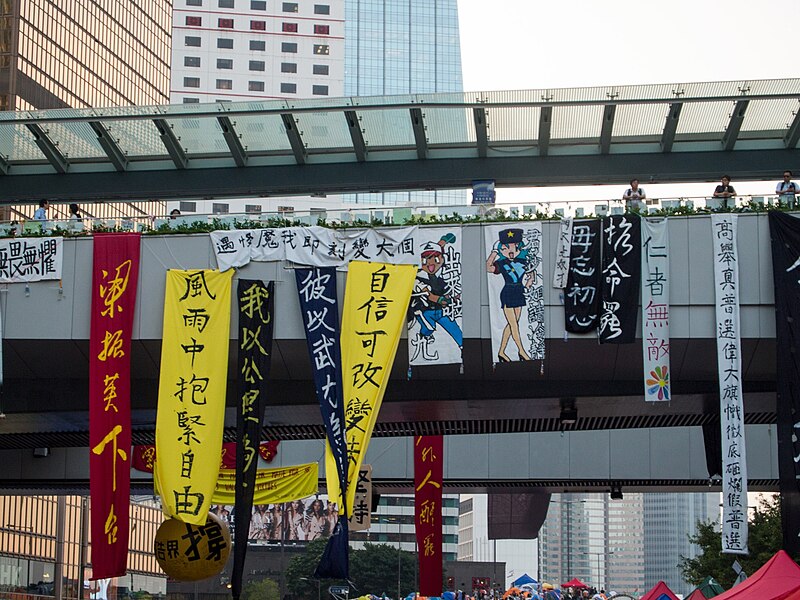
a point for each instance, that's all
(84, 54)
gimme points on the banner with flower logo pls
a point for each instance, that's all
(655, 310)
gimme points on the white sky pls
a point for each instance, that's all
(533, 44)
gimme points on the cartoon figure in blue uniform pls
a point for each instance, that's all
(509, 258)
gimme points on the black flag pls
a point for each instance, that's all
(582, 295)
(622, 271)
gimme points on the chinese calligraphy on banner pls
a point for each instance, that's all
(272, 486)
(191, 390)
(734, 465)
(620, 286)
(582, 294)
(144, 456)
(434, 317)
(561, 266)
(428, 471)
(256, 303)
(31, 259)
(362, 506)
(655, 309)
(516, 291)
(375, 303)
(115, 274)
(785, 232)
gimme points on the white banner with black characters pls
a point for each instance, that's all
(434, 314)
(31, 259)
(729, 365)
(561, 265)
(314, 246)
(655, 310)
(516, 291)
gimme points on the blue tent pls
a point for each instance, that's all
(523, 580)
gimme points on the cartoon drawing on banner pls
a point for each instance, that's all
(509, 258)
(434, 314)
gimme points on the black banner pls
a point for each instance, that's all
(582, 295)
(517, 516)
(622, 271)
(785, 233)
(256, 303)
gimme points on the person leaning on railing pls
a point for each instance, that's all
(634, 196)
(725, 191)
(787, 190)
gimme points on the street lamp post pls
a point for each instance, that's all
(319, 586)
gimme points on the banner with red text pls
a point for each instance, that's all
(428, 471)
(115, 274)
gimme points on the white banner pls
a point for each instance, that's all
(314, 246)
(516, 292)
(31, 259)
(434, 316)
(561, 265)
(655, 310)
(729, 365)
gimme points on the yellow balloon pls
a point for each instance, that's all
(190, 552)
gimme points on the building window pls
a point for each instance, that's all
(224, 63)
(218, 208)
(319, 90)
(322, 29)
(194, 2)
(251, 209)
(289, 7)
(257, 65)
(188, 100)
(225, 43)
(194, 21)
(260, 45)
(288, 67)
(226, 3)
(191, 61)
(322, 9)
(188, 206)
(288, 88)
(289, 47)
(289, 27)
(321, 69)
(225, 23)
(258, 5)
(192, 41)
(224, 84)
(322, 49)
(193, 82)
(258, 25)
(255, 86)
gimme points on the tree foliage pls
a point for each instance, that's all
(765, 539)
(266, 589)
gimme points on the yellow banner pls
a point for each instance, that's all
(272, 485)
(191, 391)
(375, 304)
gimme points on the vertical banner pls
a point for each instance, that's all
(375, 304)
(256, 304)
(582, 297)
(561, 265)
(428, 459)
(516, 291)
(622, 253)
(434, 315)
(729, 366)
(191, 391)
(115, 275)
(655, 309)
(785, 232)
(362, 506)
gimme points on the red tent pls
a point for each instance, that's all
(660, 591)
(778, 579)
(697, 595)
(575, 583)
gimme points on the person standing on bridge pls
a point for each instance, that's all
(787, 190)
(634, 197)
(725, 191)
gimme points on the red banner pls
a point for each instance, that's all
(428, 460)
(144, 457)
(115, 275)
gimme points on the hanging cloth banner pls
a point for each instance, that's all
(191, 391)
(785, 232)
(622, 254)
(729, 366)
(362, 506)
(375, 303)
(428, 471)
(655, 309)
(516, 291)
(31, 259)
(144, 456)
(582, 297)
(115, 275)
(561, 265)
(272, 486)
(434, 315)
(256, 302)
(319, 308)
